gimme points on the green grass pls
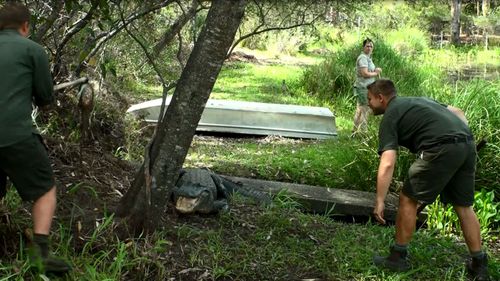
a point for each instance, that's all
(261, 82)
(246, 243)
(332, 163)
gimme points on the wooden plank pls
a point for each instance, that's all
(324, 200)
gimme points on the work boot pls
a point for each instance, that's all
(40, 258)
(396, 261)
(478, 268)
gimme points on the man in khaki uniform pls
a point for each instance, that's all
(25, 79)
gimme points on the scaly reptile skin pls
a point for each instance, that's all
(202, 191)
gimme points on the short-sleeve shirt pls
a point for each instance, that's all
(417, 123)
(24, 79)
(364, 61)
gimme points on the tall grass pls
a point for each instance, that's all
(278, 243)
(334, 78)
(480, 101)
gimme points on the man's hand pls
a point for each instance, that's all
(378, 211)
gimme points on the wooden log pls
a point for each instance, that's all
(324, 200)
(76, 82)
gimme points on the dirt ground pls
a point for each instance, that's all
(90, 183)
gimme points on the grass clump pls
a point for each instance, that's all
(249, 243)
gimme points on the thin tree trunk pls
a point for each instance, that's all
(486, 7)
(455, 21)
(175, 133)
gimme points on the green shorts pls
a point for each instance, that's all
(27, 165)
(361, 95)
(447, 170)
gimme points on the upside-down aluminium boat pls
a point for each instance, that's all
(254, 118)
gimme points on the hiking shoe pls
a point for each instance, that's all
(50, 265)
(55, 266)
(396, 261)
(478, 268)
(46, 263)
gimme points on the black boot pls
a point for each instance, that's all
(396, 261)
(40, 258)
(478, 268)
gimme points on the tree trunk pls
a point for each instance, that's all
(455, 22)
(486, 7)
(147, 199)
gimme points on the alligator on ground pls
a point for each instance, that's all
(200, 190)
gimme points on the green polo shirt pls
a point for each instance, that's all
(24, 79)
(417, 122)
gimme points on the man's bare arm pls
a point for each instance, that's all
(384, 178)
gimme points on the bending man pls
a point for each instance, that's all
(445, 165)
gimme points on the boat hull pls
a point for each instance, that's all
(254, 118)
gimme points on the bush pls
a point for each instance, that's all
(446, 221)
(336, 75)
(480, 100)
(408, 42)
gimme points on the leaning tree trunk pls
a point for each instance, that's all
(455, 22)
(145, 202)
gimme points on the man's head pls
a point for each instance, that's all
(380, 93)
(14, 15)
(367, 46)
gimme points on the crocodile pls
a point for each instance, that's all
(199, 190)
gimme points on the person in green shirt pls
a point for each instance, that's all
(25, 80)
(445, 166)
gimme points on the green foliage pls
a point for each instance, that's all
(335, 77)
(409, 42)
(444, 220)
(332, 78)
(480, 101)
(279, 242)
(390, 15)
(137, 136)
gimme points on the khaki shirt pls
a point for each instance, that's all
(24, 79)
(364, 61)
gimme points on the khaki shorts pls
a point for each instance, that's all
(361, 95)
(27, 165)
(447, 170)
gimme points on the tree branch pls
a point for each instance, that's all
(47, 25)
(110, 34)
(175, 28)
(79, 25)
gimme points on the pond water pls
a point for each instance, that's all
(468, 72)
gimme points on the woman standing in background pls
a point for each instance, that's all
(366, 72)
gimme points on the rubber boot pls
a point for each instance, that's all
(40, 258)
(478, 268)
(395, 261)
